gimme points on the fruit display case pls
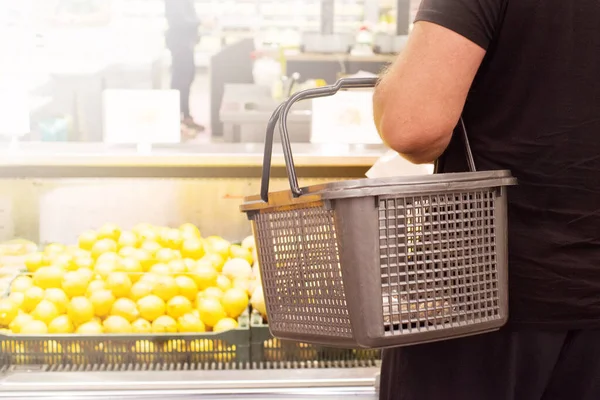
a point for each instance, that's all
(56, 193)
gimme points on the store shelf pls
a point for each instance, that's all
(84, 160)
(279, 384)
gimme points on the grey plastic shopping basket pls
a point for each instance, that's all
(381, 262)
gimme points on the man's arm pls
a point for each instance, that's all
(420, 98)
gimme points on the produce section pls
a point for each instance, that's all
(179, 363)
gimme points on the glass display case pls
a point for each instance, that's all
(69, 210)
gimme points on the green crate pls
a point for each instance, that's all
(265, 348)
(82, 350)
(230, 347)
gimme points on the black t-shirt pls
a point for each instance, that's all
(534, 108)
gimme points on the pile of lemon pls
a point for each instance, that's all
(150, 279)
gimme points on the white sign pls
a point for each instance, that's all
(14, 103)
(141, 116)
(346, 117)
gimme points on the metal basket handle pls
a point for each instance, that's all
(280, 115)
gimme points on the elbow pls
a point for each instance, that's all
(420, 141)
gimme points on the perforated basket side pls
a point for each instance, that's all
(424, 267)
(438, 261)
(301, 273)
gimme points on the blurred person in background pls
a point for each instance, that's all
(524, 76)
(181, 39)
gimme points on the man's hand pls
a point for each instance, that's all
(420, 98)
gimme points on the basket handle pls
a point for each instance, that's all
(280, 115)
(468, 153)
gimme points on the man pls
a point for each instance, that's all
(524, 74)
(181, 39)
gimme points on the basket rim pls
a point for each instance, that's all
(383, 186)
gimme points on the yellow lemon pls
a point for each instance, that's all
(125, 308)
(48, 277)
(87, 240)
(215, 260)
(103, 246)
(119, 283)
(65, 261)
(166, 288)
(127, 252)
(19, 321)
(190, 323)
(148, 236)
(242, 284)
(21, 284)
(141, 227)
(151, 247)
(45, 311)
(151, 307)
(8, 312)
(59, 298)
(151, 278)
(109, 256)
(86, 274)
(164, 324)
(109, 231)
(54, 248)
(172, 238)
(161, 269)
(75, 284)
(237, 268)
(211, 311)
(61, 325)
(235, 302)
(145, 258)
(237, 251)
(224, 283)
(218, 245)
(104, 269)
(249, 243)
(117, 324)
(165, 255)
(86, 262)
(141, 325)
(34, 327)
(90, 328)
(141, 289)
(226, 324)
(190, 229)
(177, 267)
(178, 306)
(34, 261)
(133, 268)
(80, 310)
(102, 301)
(193, 248)
(17, 298)
(33, 296)
(95, 286)
(186, 287)
(204, 275)
(128, 239)
(213, 292)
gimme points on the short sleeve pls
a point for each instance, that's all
(476, 20)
